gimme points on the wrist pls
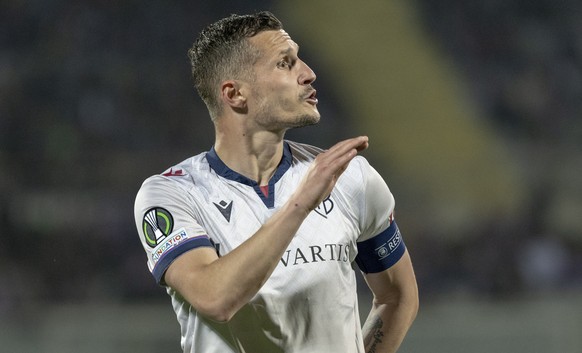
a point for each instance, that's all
(297, 208)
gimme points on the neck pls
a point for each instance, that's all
(255, 155)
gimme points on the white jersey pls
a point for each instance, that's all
(309, 304)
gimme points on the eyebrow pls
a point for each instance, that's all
(289, 50)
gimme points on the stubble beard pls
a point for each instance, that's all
(306, 120)
(272, 122)
(267, 119)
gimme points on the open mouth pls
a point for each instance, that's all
(311, 98)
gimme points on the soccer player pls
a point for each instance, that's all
(255, 239)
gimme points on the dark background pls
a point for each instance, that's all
(95, 96)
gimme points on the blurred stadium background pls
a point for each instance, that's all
(473, 109)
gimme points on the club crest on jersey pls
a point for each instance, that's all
(157, 225)
(325, 208)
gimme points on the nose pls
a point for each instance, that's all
(306, 76)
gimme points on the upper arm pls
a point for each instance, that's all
(394, 308)
(382, 255)
(182, 274)
(377, 203)
(395, 284)
(167, 225)
(191, 276)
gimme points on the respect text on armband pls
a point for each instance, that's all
(387, 248)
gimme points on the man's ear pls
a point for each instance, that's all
(231, 94)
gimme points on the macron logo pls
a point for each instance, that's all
(224, 208)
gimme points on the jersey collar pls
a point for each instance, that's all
(224, 171)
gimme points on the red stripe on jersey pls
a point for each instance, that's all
(265, 190)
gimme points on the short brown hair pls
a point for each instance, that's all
(222, 52)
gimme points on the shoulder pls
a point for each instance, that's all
(179, 178)
(357, 173)
(365, 186)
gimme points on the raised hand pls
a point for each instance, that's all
(325, 171)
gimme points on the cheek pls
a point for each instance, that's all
(278, 103)
(288, 104)
(273, 98)
(289, 100)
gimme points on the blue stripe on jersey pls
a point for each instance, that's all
(224, 171)
(382, 251)
(166, 259)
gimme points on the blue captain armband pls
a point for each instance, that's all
(382, 251)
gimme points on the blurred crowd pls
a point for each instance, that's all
(523, 64)
(522, 59)
(95, 96)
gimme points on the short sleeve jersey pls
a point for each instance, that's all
(309, 304)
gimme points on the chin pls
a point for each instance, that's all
(306, 120)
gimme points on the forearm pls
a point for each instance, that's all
(219, 287)
(387, 325)
(233, 279)
(245, 269)
(252, 263)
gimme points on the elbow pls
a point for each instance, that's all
(405, 302)
(414, 307)
(220, 316)
(408, 305)
(217, 309)
(412, 302)
(212, 302)
(409, 298)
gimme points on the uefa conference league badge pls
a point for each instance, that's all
(157, 225)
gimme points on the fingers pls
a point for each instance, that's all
(326, 170)
(338, 156)
(364, 145)
(359, 143)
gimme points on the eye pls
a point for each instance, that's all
(284, 64)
